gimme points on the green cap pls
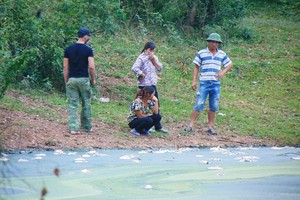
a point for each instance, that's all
(214, 37)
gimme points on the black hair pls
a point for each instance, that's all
(142, 92)
(148, 45)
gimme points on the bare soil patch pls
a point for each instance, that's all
(21, 130)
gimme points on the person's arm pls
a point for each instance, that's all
(195, 76)
(140, 114)
(66, 69)
(224, 71)
(155, 62)
(92, 70)
(137, 108)
(155, 107)
(136, 68)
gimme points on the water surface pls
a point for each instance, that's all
(156, 174)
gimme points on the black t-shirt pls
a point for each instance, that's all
(78, 60)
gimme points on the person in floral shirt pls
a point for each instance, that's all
(145, 68)
(143, 111)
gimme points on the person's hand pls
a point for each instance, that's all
(142, 76)
(220, 75)
(194, 85)
(154, 99)
(151, 57)
(93, 82)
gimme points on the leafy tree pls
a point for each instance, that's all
(35, 33)
(189, 14)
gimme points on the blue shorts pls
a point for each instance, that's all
(211, 89)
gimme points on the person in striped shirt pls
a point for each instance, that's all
(212, 64)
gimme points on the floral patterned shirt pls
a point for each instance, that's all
(143, 64)
(136, 105)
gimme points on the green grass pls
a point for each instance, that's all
(260, 96)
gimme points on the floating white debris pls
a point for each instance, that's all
(145, 151)
(248, 148)
(185, 149)
(40, 155)
(95, 153)
(215, 168)
(247, 159)
(128, 157)
(199, 156)
(204, 162)
(136, 161)
(296, 158)
(85, 171)
(80, 160)
(276, 148)
(72, 153)
(59, 152)
(37, 158)
(216, 149)
(3, 154)
(215, 159)
(92, 152)
(148, 187)
(161, 151)
(101, 154)
(86, 156)
(4, 159)
(22, 160)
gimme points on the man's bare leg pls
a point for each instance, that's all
(211, 119)
(194, 117)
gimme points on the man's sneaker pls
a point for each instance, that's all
(88, 130)
(75, 132)
(162, 131)
(212, 131)
(134, 132)
(188, 129)
(150, 130)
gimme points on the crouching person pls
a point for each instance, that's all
(143, 111)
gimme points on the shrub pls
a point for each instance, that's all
(35, 33)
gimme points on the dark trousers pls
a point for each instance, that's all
(158, 125)
(140, 124)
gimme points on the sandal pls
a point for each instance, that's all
(188, 129)
(212, 131)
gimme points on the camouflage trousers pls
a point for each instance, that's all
(79, 89)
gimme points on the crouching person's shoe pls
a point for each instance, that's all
(163, 131)
(134, 132)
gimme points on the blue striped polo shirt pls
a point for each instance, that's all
(210, 65)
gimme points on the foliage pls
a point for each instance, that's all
(189, 15)
(41, 30)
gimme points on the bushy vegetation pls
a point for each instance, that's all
(35, 33)
(259, 96)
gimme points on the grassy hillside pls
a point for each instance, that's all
(260, 95)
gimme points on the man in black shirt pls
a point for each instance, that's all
(79, 67)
